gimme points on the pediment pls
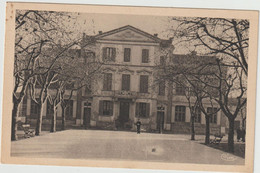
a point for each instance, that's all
(128, 33)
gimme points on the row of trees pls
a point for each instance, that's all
(215, 75)
(48, 62)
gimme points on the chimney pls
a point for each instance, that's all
(99, 32)
(156, 35)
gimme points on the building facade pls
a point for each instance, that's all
(127, 91)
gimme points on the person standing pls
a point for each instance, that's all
(138, 125)
(243, 134)
(238, 134)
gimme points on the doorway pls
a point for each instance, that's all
(123, 114)
(160, 121)
(86, 117)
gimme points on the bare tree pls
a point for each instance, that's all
(228, 40)
(217, 36)
(35, 31)
(187, 71)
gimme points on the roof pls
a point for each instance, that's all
(129, 27)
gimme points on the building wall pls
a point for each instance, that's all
(134, 68)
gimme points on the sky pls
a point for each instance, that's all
(92, 23)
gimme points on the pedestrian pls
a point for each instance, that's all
(138, 125)
(238, 134)
(243, 134)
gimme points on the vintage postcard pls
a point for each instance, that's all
(129, 87)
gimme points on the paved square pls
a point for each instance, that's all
(119, 145)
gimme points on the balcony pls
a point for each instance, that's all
(125, 94)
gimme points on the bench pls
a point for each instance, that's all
(27, 131)
(217, 139)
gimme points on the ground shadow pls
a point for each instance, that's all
(239, 148)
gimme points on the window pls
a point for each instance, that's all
(50, 110)
(180, 112)
(88, 57)
(125, 82)
(35, 109)
(127, 54)
(109, 54)
(78, 53)
(88, 88)
(197, 114)
(162, 60)
(107, 85)
(144, 84)
(24, 107)
(162, 88)
(142, 110)
(212, 112)
(180, 90)
(69, 109)
(145, 55)
(105, 107)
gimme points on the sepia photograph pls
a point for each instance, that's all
(129, 87)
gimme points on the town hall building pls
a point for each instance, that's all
(128, 89)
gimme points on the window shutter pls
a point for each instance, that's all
(111, 108)
(137, 110)
(128, 83)
(147, 109)
(113, 54)
(104, 53)
(145, 55)
(127, 54)
(184, 113)
(109, 81)
(105, 81)
(123, 82)
(101, 107)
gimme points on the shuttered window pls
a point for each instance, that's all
(35, 109)
(142, 110)
(162, 60)
(127, 54)
(88, 88)
(125, 82)
(145, 55)
(69, 109)
(180, 90)
(212, 114)
(24, 107)
(105, 107)
(162, 88)
(50, 110)
(109, 54)
(143, 84)
(107, 83)
(180, 112)
(197, 114)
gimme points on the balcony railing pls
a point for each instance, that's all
(125, 94)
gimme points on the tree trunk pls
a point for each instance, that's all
(14, 123)
(231, 135)
(243, 122)
(53, 121)
(63, 118)
(207, 137)
(192, 128)
(38, 128)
